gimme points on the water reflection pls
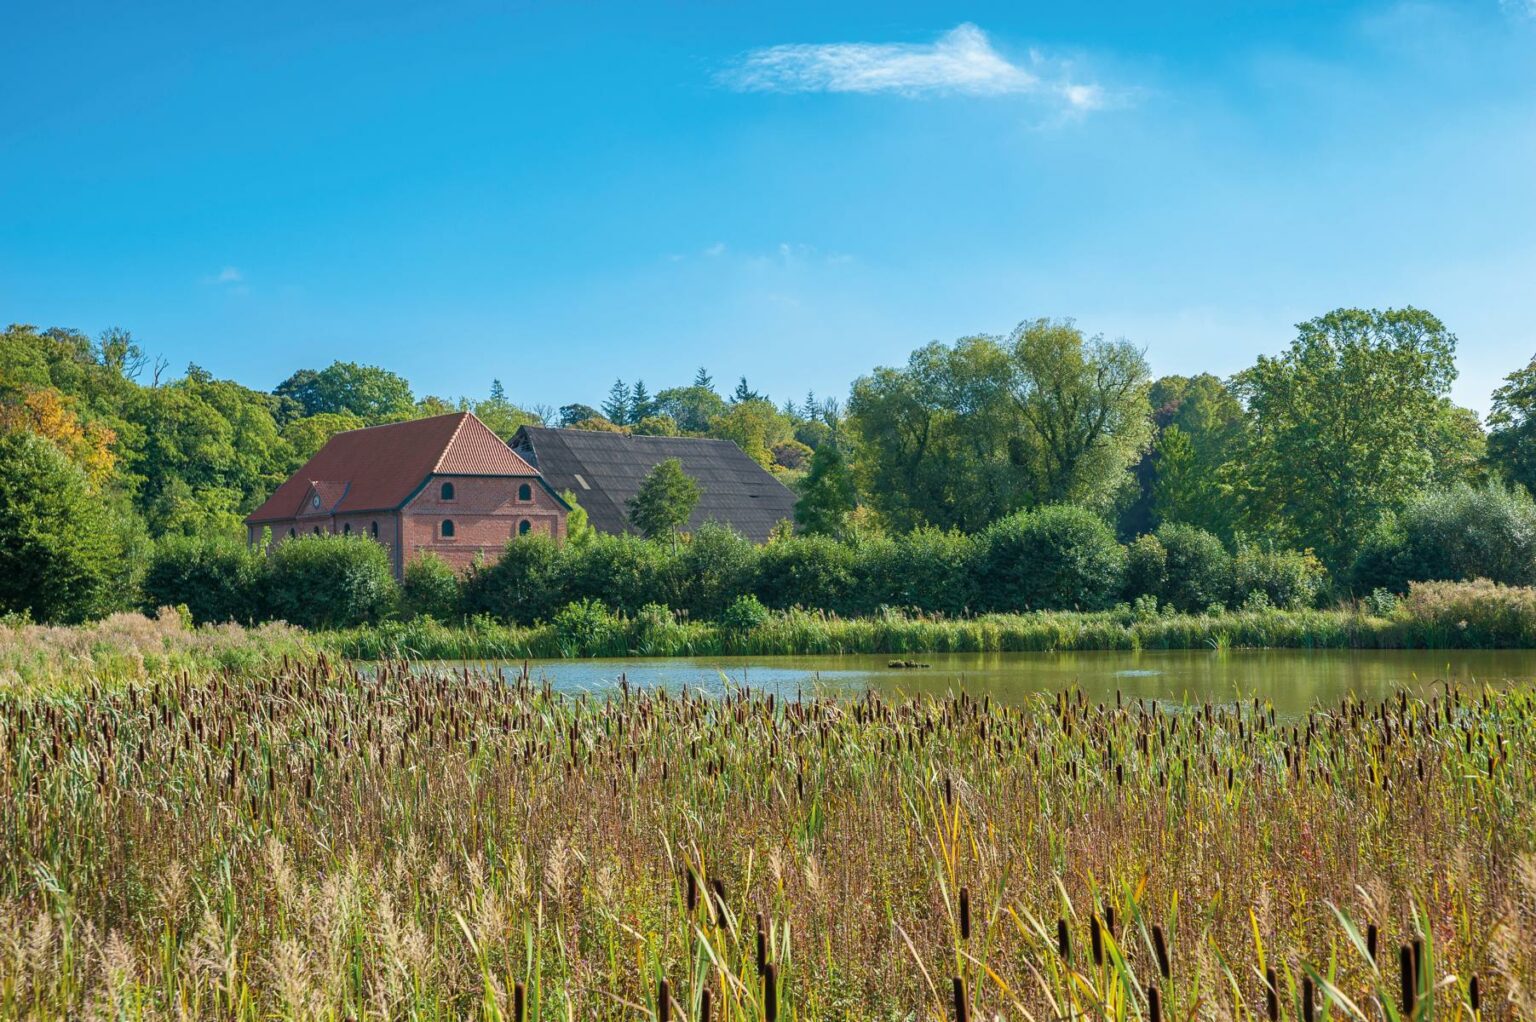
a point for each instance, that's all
(1292, 679)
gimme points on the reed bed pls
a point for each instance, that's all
(798, 632)
(318, 841)
(1431, 619)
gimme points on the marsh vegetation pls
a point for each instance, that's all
(313, 841)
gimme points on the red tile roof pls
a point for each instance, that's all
(379, 468)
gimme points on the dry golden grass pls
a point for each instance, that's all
(310, 842)
(133, 647)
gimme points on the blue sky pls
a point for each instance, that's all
(558, 194)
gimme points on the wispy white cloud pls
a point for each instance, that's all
(1519, 8)
(228, 277)
(961, 61)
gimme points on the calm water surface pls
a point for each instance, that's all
(1292, 679)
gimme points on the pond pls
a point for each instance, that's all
(1292, 679)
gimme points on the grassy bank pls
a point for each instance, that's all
(126, 647)
(1433, 616)
(309, 843)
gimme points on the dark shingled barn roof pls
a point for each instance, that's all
(605, 469)
(379, 468)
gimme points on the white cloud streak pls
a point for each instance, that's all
(962, 61)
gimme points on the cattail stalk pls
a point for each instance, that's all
(770, 992)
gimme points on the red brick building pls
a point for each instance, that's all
(445, 485)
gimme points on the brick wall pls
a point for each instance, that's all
(485, 511)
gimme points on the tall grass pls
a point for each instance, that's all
(134, 647)
(313, 841)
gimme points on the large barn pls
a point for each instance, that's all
(445, 485)
(604, 469)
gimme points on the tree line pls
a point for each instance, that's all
(1329, 448)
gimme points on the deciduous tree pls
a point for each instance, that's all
(1341, 427)
(664, 501)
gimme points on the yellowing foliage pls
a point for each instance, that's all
(47, 414)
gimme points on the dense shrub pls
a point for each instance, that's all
(522, 586)
(711, 570)
(1199, 568)
(928, 570)
(1380, 563)
(1146, 569)
(217, 578)
(744, 614)
(587, 628)
(331, 581)
(430, 589)
(1468, 532)
(1277, 578)
(805, 571)
(1057, 558)
(624, 572)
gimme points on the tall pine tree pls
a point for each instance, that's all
(617, 406)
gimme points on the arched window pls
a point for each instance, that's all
(316, 530)
(525, 492)
(447, 491)
(447, 528)
(374, 530)
(524, 527)
(346, 530)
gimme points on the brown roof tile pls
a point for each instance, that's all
(381, 466)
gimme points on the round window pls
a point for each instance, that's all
(316, 501)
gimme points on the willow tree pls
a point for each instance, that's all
(964, 434)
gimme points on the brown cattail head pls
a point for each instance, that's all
(1154, 1004)
(1410, 990)
(693, 890)
(1308, 999)
(962, 1009)
(719, 888)
(1371, 937)
(965, 914)
(519, 1003)
(1096, 939)
(704, 1006)
(762, 946)
(1474, 996)
(770, 993)
(1160, 947)
(1271, 995)
(663, 1002)
(1063, 940)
